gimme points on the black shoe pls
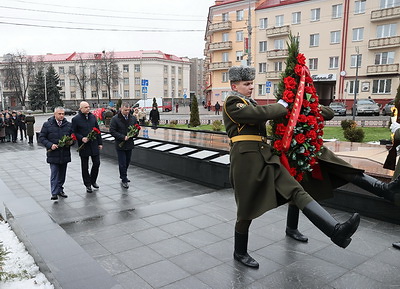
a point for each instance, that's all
(54, 197)
(128, 180)
(396, 245)
(246, 260)
(95, 185)
(89, 189)
(125, 185)
(295, 234)
(63, 195)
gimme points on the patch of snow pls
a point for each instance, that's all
(19, 260)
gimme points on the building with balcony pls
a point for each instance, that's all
(352, 46)
(167, 75)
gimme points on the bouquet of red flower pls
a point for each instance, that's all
(133, 131)
(65, 141)
(91, 136)
(297, 138)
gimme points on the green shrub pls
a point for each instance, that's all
(354, 134)
(217, 125)
(348, 123)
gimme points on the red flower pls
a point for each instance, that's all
(311, 120)
(288, 96)
(300, 138)
(308, 79)
(293, 171)
(73, 136)
(302, 118)
(299, 177)
(313, 161)
(280, 129)
(298, 69)
(308, 89)
(278, 145)
(290, 82)
(96, 130)
(301, 59)
(311, 134)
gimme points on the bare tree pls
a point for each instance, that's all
(81, 75)
(95, 79)
(109, 73)
(18, 73)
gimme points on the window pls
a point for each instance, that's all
(126, 81)
(225, 16)
(315, 14)
(225, 57)
(386, 30)
(115, 93)
(262, 46)
(279, 20)
(354, 60)
(313, 63)
(381, 86)
(72, 82)
(263, 23)
(358, 34)
(261, 89)
(93, 82)
(165, 93)
(173, 69)
(92, 69)
(333, 62)
(179, 82)
(104, 94)
(224, 94)
(239, 55)
(94, 94)
(126, 93)
(359, 6)
(337, 11)
(314, 40)
(239, 15)
(239, 35)
(352, 85)
(71, 70)
(225, 77)
(225, 37)
(165, 81)
(62, 82)
(137, 93)
(165, 68)
(73, 94)
(179, 70)
(137, 80)
(125, 68)
(262, 67)
(384, 57)
(137, 68)
(296, 17)
(61, 70)
(279, 44)
(335, 37)
(389, 3)
(278, 66)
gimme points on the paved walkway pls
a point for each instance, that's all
(168, 233)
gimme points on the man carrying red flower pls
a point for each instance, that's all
(86, 130)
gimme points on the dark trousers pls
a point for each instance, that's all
(90, 178)
(124, 159)
(14, 135)
(22, 131)
(57, 177)
(30, 139)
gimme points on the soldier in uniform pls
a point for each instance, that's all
(334, 173)
(259, 180)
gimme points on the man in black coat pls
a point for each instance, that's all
(119, 129)
(58, 157)
(21, 124)
(82, 124)
(154, 117)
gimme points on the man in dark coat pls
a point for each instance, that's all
(334, 173)
(119, 129)
(58, 157)
(14, 126)
(154, 117)
(82, 124)
(30, 128)
(21, 125)
(260, 181)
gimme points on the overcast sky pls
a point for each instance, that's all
(174, 26)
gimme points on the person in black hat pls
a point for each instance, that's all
(259, 180)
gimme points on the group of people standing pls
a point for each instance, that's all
(14, 121)
(58, 135)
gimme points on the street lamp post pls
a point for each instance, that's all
(355, 85)
(45, 90)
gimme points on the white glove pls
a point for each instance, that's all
(394, 126)
(284, 103)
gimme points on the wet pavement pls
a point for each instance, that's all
(168, 233)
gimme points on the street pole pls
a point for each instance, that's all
(45, 91)
(249, 39)
(355, 86)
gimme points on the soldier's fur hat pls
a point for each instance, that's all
(241, 73)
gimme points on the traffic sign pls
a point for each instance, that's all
(268, 90)
(145, 82)
(185, 95)
(268, 84)
(144, 89)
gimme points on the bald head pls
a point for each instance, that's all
(84, 107)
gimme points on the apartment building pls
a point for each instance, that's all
(137, 75)
(352, 47)
(197, 78)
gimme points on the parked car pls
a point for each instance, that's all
(338, 108)
(387, 108)
(69, 111)
(366, 107)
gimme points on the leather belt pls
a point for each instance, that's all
(246, 137)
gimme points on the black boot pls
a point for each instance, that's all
(396, 245)
(339, 233)
(240, 253)
(388, 191)
(292, 221)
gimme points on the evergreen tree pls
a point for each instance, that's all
(194, 112)
(119, 104)
(36, 92)
(53, 88)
